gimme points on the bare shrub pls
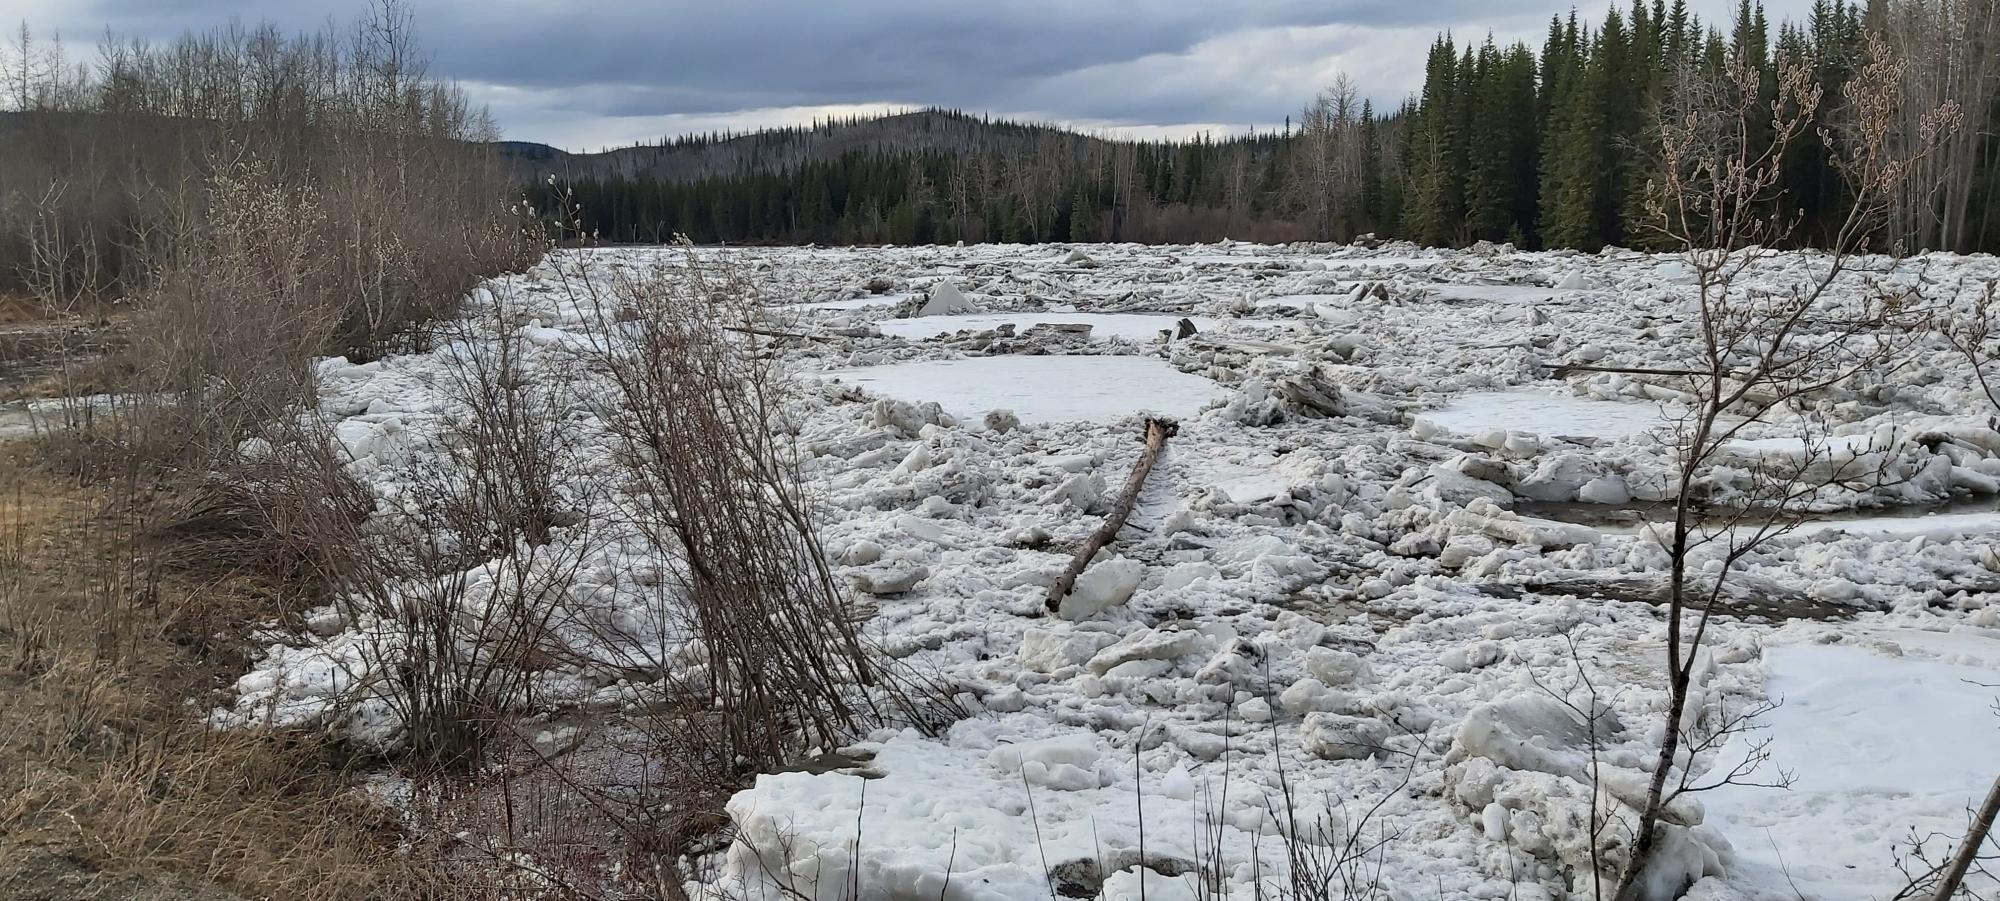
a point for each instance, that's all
(514, 434)
(258, 200)
(698, 414)
(1939, 868)
(461, 584)
(483, 551)
(336, 209)
(1335, 851)
(1971, 325)
(230, 329)
(253, 202)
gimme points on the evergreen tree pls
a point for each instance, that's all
(1556, 149)
(1082, 218)
(1434, 210)
(902, 224)
(1570, 158)
(1615, 89)
(1374, 204)
(1499, 181)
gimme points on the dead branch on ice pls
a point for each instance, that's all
(1157, 432)
(1968, 848)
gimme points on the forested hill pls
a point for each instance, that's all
(1552, 147)
(932, 175)
(782, 150)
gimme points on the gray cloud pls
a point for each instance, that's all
(580, 75)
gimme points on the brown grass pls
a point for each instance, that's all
(17, 307)
(110, 784)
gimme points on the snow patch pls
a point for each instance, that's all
(1043, 389)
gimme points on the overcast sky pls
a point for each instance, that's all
(585, 74)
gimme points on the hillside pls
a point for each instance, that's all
(778, 151)
(927, 176)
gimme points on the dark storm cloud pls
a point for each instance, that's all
(855, 50)
(582, 73)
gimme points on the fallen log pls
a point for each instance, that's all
(1157, 433)
(772, 333)
(1968, 847)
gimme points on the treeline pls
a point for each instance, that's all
(122, 179)
(991, 181)
(1553, 146)
(1559, 149)
(248, 201)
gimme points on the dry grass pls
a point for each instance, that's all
(110, 785)
(18, 307)
(46, 355)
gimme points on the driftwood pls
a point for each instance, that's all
(1969, 846)
(771, 333)
(1157, 433)
(1244, 345)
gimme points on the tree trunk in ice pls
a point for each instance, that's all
(1157, 433)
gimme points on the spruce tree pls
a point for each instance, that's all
(1082, 218)
(1373, 205)
(1499, 183)
(1615, 85)
(1434, 210)
(1570, 158)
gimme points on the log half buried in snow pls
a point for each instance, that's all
(1157, 432)
(1245, 345)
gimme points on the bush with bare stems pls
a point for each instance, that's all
(1337, 851)
(741, 649)
(248, 203)
(231, 328)
(348, 219)
(463, 582)
(1757, 354)
(1963, 867)
(1324, 845)
(697, 413)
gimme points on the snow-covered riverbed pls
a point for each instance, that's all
(1341, 604)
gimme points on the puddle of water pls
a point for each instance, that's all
(1042, 389)
(1898, 524)
(26, 418)
(17, 421)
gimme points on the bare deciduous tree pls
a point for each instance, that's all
(1951, 57)
(1325, 183)
(1760, 352)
